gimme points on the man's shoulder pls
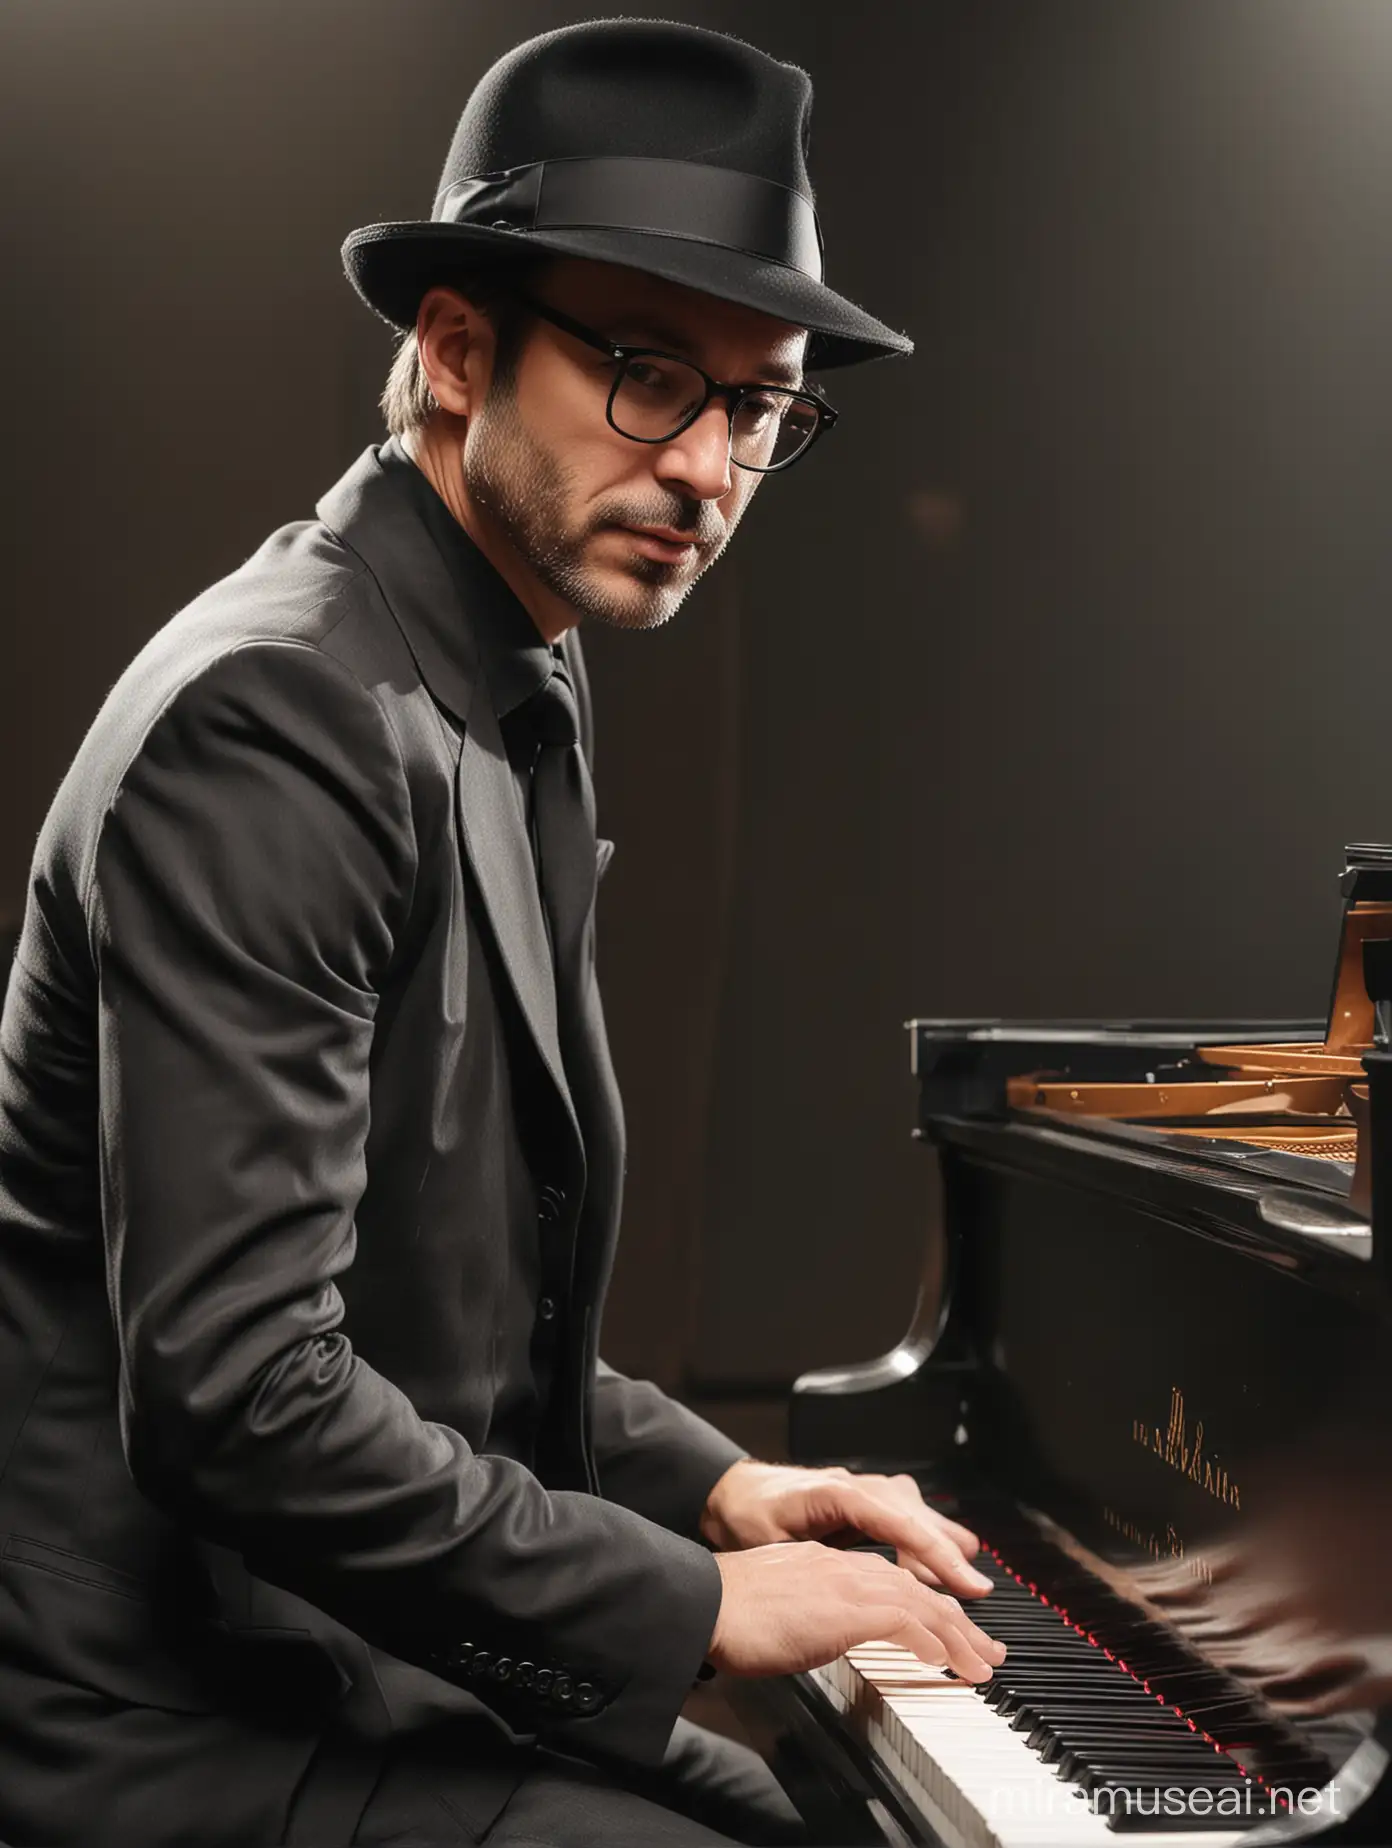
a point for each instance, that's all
(298, 634)
(303, 605)
(303, 588)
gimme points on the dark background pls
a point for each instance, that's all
(1052, 684)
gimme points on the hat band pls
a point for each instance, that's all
(670, 198)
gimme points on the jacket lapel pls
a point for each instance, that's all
(378, 512)
(496, 844)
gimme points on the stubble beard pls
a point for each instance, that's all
(524, 490)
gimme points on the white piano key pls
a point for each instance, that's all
(974, 1780)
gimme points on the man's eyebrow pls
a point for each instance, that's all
(640, 331)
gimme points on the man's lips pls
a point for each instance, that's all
(662, 542)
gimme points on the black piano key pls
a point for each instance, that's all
(1020, 1640)
(1092, 1690)
(1081, 1694)
(1062, 1713)
(1090, 1668)
(1132, 1756)
(1091, 1772)
(1022, 1623)
(1022, 1636)
(1028, 1660)
(1049, 1736)
(1136, 1751)
(1145, 1810)
(1122, 1726)
(1056, 1662)
(1061, 1687)
(1075, 1725)
(1035, 1720)
(1024, 1610)
(1174, 1777)
(1106, 1712)
(1132, 1750)
(1011, 1700)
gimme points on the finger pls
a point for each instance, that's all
(909, 1564)
(937, 1610)
(909, 1494)
(921, 1573)
(910, 1533)
(941, 1646)
(904, 1629)
(944, 1614)
(966, 1541)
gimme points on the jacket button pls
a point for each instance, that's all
(549, 1204)
(502, 1669)
(544, 1678)
(546, 1309)
(461, 1655)
(525, 1674)
(587, 1697)
(482, 1662)
(561, 1690)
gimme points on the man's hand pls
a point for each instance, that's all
(786, 1608)
(760, 1504)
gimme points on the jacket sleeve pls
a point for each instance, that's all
(653, 1455)
(251, 876)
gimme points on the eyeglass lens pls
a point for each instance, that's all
(654, 396)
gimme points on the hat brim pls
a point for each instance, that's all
(392, 265)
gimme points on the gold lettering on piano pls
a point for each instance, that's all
(1173, 1446)
(1168, 1546)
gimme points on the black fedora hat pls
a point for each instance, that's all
(663, 147)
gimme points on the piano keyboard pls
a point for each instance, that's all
(1065, 1746)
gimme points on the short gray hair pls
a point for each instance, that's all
(407, 401)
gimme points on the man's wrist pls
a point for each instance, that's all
(716, 1529)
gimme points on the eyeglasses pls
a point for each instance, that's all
(655, 396)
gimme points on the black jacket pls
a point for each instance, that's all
(288, 1164)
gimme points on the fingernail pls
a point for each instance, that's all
(997, 1651)
(977, 1580)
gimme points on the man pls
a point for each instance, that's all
(320, 1520)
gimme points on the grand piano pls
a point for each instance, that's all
(1151, 1366)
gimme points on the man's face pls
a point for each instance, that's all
(618, 530)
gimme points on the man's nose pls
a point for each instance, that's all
(699, 458)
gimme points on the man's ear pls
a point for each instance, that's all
(456, 343)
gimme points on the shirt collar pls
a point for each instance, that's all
(516, 658)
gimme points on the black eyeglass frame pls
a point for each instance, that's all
(734, 395)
